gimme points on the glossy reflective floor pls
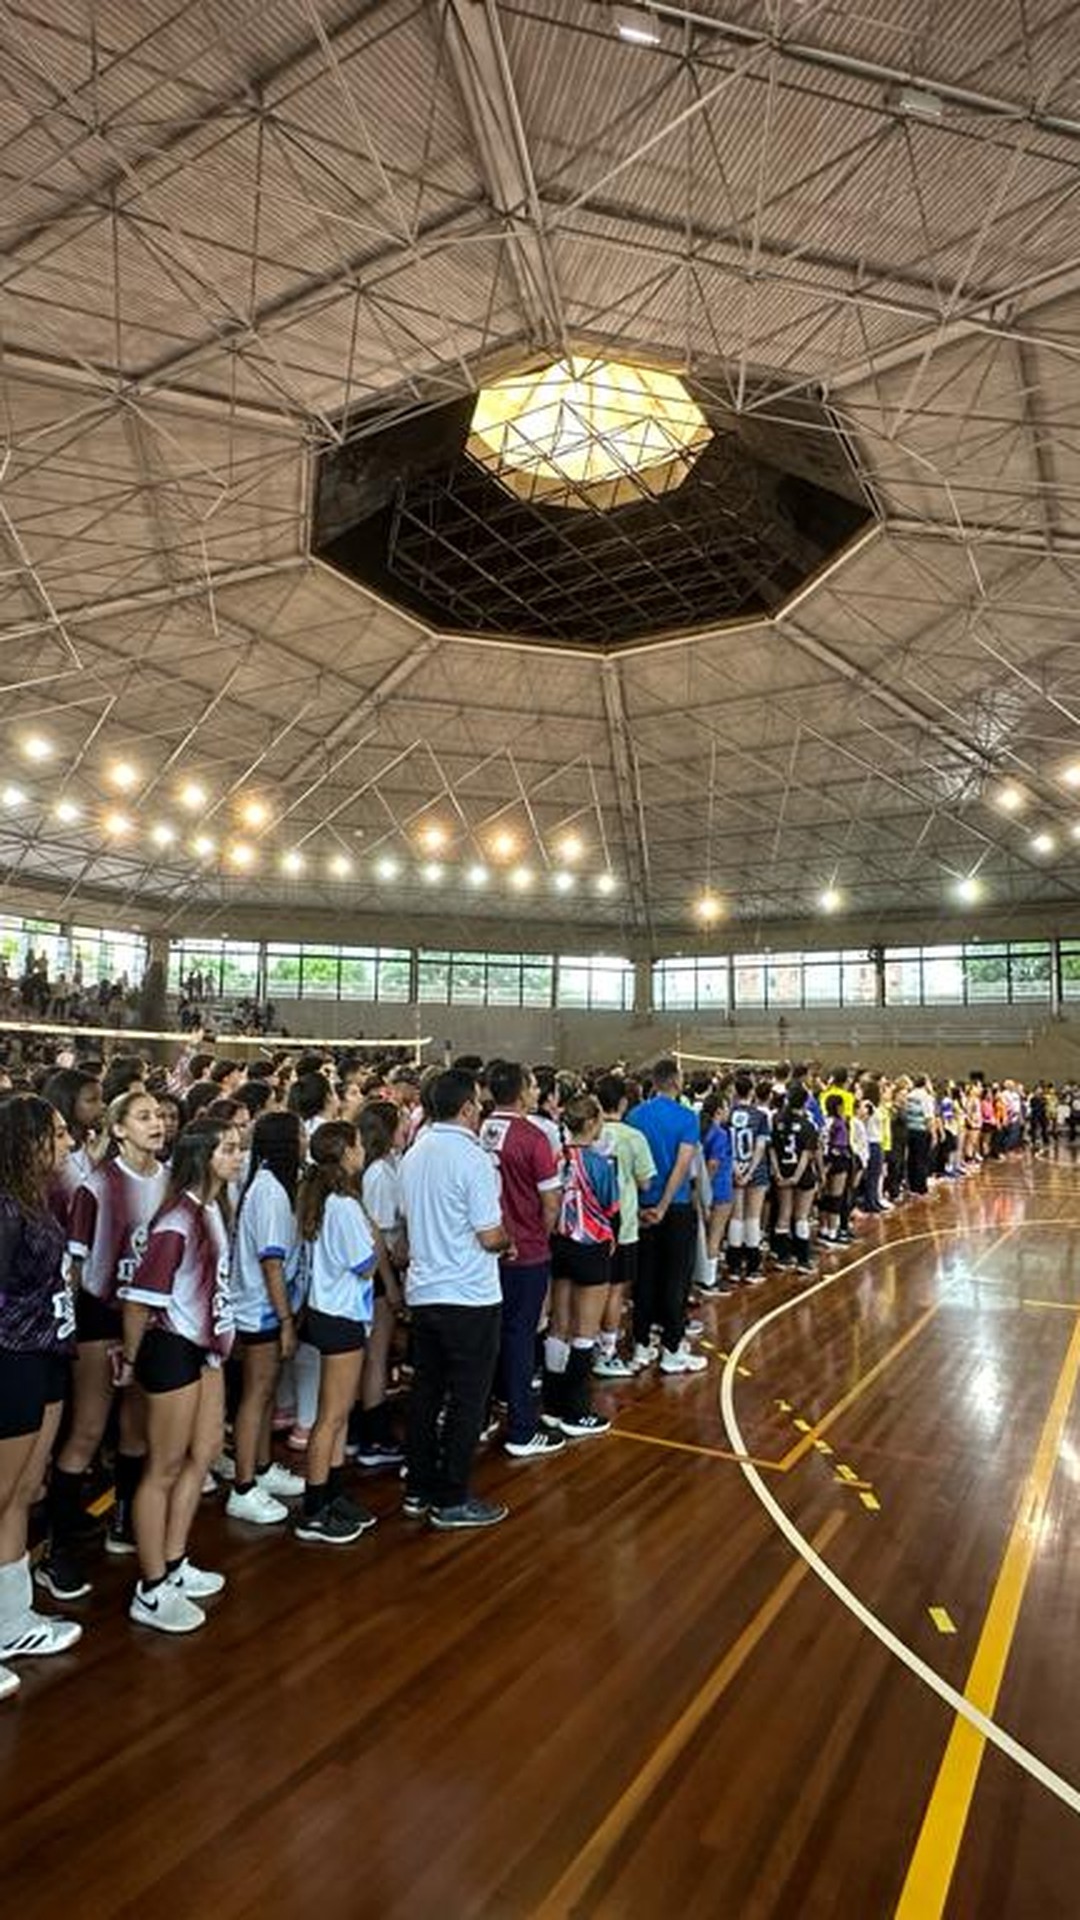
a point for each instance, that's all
(675, 1681)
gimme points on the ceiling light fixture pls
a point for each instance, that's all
(67, 812)
(1010, 799)
(571, 846)
(192, 796)
(433, 837)
(292, 862)
(387, 868)
(37, 748)
(117, 824)
(254, 814)
(830, 900)
(432, 873)
(123, 776)
(969, 889)
(1043, 843)
(241, 855)
(521, 879)
(636, 25)
(1071, 774)
(503, 845)
(564, 882)
(13, 797)
(606, 883)
(709, 909)
(203, 846)
(477, 876)
(163, 835)
(339, 866)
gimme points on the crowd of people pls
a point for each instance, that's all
(384, 1265)
(33, 993)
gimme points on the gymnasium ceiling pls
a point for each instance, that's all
(230, 232)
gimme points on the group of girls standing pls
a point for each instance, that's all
(128, 1278)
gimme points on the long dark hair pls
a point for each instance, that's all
(27, 1150)
(277, 1143)
(62, 1090)
(193, 1151)
(326, 1175)
(377, 1124)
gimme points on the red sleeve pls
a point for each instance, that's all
(152, 1281)
(82, 1222)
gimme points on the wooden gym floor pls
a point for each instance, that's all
(833, 1680)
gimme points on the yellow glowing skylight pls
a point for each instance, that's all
(588, 433)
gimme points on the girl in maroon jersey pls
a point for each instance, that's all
(178, 1330)
(108, 1218)
(36, 1329)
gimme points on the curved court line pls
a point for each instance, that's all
(959, 1704)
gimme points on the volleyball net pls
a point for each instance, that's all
(117, 1039)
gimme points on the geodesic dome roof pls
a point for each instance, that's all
(235, 235)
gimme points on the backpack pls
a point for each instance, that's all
(584, 1215)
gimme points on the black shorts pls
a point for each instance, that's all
(624, 1265)
(263, 1337)
(585, 1266)
(29, 1382)
(166, 1361)
(96, 1320)
(333, 1333)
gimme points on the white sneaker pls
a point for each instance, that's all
(279, 1482)
(209, 1484)
(196, 1583)
(9, 1682)
(224, 1467)
(642, 1357)
(682, 1361)
(166, 1608)
(38, 1633)
(612, 1367)
(257, 1506)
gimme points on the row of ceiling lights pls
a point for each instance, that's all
(254, 814)
(709, 907)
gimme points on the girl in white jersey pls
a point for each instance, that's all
(108, 1218)
(337, 1261)
(381, 1125)
(178, 1331)
(263, 1252)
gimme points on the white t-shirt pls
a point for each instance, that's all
(451, 1192)
(341, 1262)
(265, 1230)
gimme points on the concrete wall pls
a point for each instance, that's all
(1024, 1042)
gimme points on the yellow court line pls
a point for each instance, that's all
(795, 1453)
(686, 1446)
(929, 1876)
(1060, 1306)
(575, 1881)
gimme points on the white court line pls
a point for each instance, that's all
(1030, 1762)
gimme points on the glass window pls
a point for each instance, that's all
(320, 974)
(283, 972)
(433, 978)
(573, 987)
(783, 980)
(1070, 969)
(240, 969)
(986, 975)
(468, 983)
(393, 980)
(859, 983)
(821, 983)
(504, 983)
(356, 977)
(749, 981)
(537, 983)
(943, 976)
(903, 981)
(1029, 971)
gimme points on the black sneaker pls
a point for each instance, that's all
(415, 1507)
(330, 1526)
(379, 1453)
(349, 1509)
(585, 1426)
(470, 1513)
(60, 1574)
(120, 1540)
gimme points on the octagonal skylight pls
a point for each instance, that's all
(587, 433)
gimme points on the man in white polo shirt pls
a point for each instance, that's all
(452, 1212)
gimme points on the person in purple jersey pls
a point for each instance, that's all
(37, 1332)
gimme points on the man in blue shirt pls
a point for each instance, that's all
(668, 1224)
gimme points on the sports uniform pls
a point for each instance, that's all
(108, 1226)
(183, 1277)
(265, 1230)
(339, 1267)
(37, 1318)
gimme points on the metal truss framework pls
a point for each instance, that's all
(228, 231)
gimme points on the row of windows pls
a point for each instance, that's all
(908, 977)
(90, 954)
(1010, 972)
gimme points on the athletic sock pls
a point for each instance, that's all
(243, 1486)
(316, 1497)
(334, 1482)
